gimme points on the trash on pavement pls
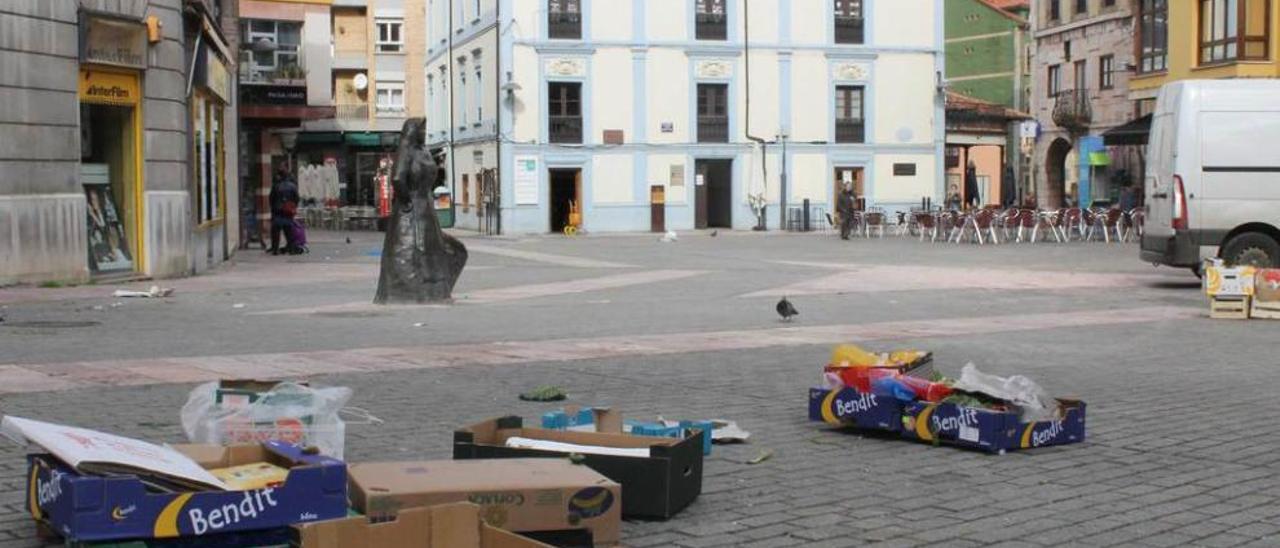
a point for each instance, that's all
(455, 525)
(530, 496)
(238, 305)
(1230, 290)
(604, 419)
(763, 455)
(544, 393)
(979, 410)
(241, 411)
(153, 293)
(658, 484)
(669, 237)
(93, 486)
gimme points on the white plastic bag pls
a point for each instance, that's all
(290, 412)
(1035, 403)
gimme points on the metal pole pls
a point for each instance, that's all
(782, 202)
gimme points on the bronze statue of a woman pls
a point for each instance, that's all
(420, 263)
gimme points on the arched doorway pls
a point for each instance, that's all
(1056, 174)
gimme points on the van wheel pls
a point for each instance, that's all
(1252, 248)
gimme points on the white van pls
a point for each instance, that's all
(1213, 174)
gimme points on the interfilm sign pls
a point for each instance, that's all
(108, 88)
(115, 42)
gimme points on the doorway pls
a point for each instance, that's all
(108, 174)
(853, 175)
(713, 181)
(566, 197)
(1057, 174)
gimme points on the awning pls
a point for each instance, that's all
(1133, 132)
(1099, 159)
(317, 138)
(364, 139)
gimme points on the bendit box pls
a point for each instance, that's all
(847, 406)
(989, 430)
(90, 507)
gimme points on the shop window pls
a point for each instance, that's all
(209, 157)
(390, 37)
(466, 193)
(390, 98)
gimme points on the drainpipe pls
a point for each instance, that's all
(764, 145)
(453, 164)
(497, 111)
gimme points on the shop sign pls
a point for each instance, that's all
(216, 76)
(116, 42)
(273, 95)
(108, 88)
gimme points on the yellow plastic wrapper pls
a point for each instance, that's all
(852, 355)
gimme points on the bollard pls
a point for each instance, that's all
(805, 226)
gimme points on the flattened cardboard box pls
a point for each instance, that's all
(519, 495)
(657, 487)
(443, 526)
(89, 508)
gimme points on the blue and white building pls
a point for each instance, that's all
(617, 105)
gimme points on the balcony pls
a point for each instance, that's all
(851, 131)
(713, 129)
(849, 30)
(291, 75)
(711, 26)
(564, 25)
(565, 129)
(352, 112)
(1072, 111)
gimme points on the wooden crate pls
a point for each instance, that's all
(1265, 309)
(1229, 308)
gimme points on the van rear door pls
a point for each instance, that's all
(1158, 185)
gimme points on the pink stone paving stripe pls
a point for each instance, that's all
(558, 260)
(576, 286)
(879, 278)
(62, 376)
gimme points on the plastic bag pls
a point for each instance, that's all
(289, 412)
(1036, 404)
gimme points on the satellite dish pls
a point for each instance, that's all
(361, 82)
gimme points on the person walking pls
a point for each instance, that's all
(844, 207)
(284, 206)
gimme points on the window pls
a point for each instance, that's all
(1081, 76)
(1054, 81)
(479, 95)
(564, 19)
(848, 21)
(1108, 3)
(466, 193)
(208, 153)
(1082, 7)
(1153, 35)
(1055, 10)
(389, 98)
(713, 113)
(710, 20)
(431, 104)
(285, 36)
(850, 127)
(1106, 79)
(462, 96)
(564, 112)
(390, 39)
(1233, 29)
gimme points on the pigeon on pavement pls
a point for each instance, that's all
(786, 310)
(715, 233)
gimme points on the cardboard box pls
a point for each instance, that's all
(1267, 285)
(847, 406)
(91, 508)
(1237, 281)
(267, 538)
(993, 431)
(444, 526)
(657, 486)
(520, 495)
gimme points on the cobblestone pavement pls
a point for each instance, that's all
(1181, 447)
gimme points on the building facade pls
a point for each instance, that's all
(1082, 65)
(115, 119)
(987, 60)
(632, 115)
(1203, 40)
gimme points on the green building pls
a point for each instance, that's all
(986, 48)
